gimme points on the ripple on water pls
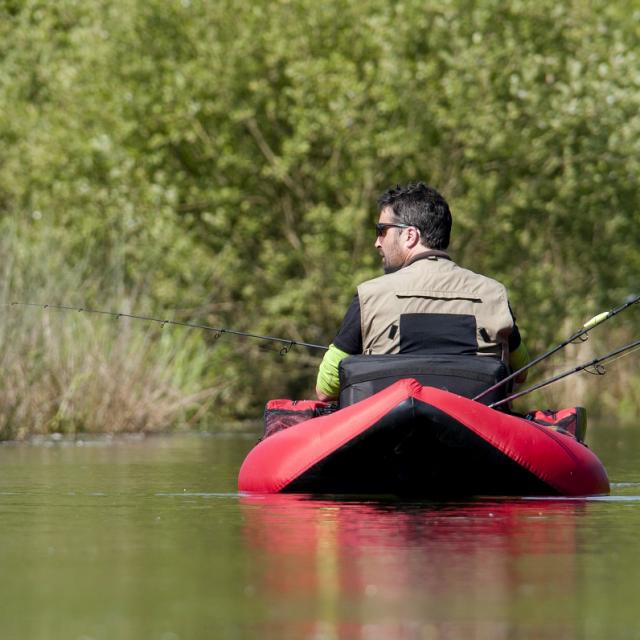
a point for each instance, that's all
(621, 492)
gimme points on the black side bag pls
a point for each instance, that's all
(362, 376)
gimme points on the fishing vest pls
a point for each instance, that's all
(433, 306)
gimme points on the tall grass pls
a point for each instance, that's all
(70, 372)
(613, 397)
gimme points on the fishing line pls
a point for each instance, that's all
(578, 336)
(596, 364)
(217, 331)
(624, 355)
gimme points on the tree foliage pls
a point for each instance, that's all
(221, 160)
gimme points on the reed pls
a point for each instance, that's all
(613, 397)
(71, 373)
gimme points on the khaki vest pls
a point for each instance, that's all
(433, 284)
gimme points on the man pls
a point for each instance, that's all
(425, 303)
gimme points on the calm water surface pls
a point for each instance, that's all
(150, 539)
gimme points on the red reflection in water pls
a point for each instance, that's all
(371, 570)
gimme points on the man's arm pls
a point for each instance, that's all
(348, 341)
(517, 359)
(518, 354)
(328, 382)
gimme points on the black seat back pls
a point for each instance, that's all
(362, 376)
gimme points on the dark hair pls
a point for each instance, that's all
(422, 207)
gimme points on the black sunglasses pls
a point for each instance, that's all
(381, 227)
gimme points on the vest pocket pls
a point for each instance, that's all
(438, 333)
(438, 295)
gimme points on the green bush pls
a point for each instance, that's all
(220, 161)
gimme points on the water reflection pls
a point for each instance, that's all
(151, 540)
(378, 569)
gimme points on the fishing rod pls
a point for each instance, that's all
(217, 330)
(578, 335)
(596, 363)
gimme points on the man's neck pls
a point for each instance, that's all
(426, 253)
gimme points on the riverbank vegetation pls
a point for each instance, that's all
(219, 162)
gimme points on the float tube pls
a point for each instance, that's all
(413, 440)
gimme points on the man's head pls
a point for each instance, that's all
(412, 218)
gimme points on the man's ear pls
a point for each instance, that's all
(413, 237)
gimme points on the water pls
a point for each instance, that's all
(137, 539)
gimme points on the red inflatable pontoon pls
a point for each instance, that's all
(421, 441)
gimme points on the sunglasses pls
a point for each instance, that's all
(381, 227)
